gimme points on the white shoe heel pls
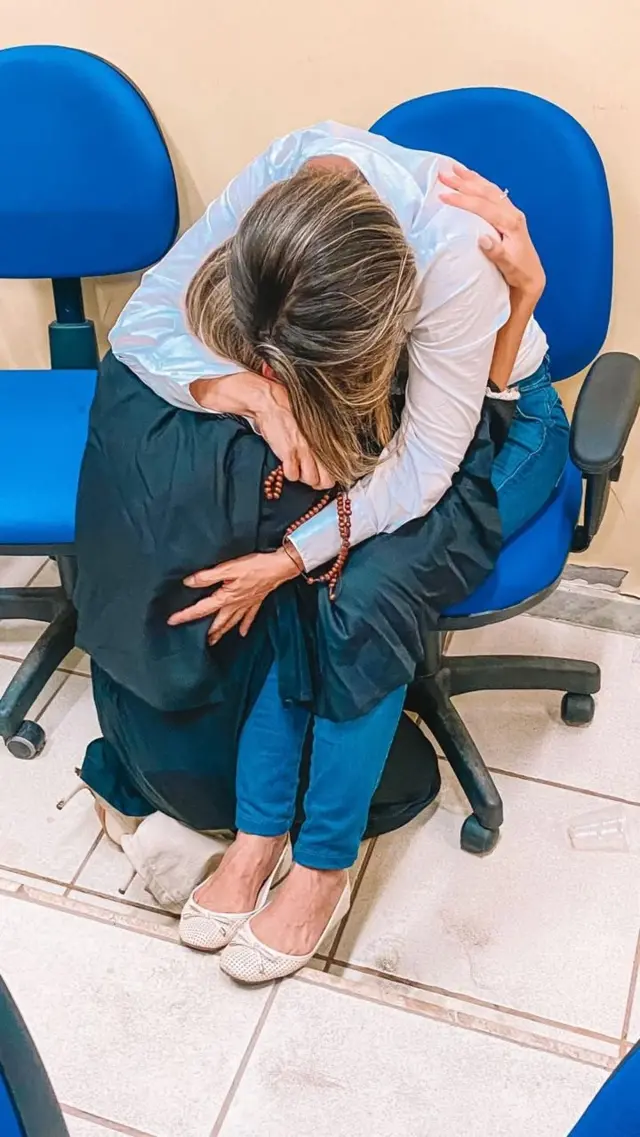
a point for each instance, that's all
(204, 930)
(248, 960)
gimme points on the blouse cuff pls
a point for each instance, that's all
(318, 540)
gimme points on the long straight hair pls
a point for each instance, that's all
(316, 283)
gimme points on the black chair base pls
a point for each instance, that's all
(443, 677)
(24, 738)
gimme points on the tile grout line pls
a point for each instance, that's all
(136, 905)
(49, 701)
(633, 987)
(102, 1122)
(560, 785)
(37, 573)
(94, 913)
(83, 864)
(63, 670)
(528, 1016)
(600, 795)
(38, 878)
(102, 916)
(335, 943)
(532, 1042)
(244, 1062)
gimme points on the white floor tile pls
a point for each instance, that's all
(34, 835)
(522, 730)
(17, 637)
(364, 1068)
(535, 926)
(9, 881)
(16, 572)
(80, 1128)
(130, 1028)
(107, 871)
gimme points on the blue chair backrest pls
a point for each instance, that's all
(87, 187)
(554, 173)
(28, 1107)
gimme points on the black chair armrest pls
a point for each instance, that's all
(605, 412)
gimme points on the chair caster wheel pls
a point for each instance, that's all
(28, 741)
(474, 838)
(577, 710)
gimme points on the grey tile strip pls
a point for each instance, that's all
(136, 905)
(405, 986)
(244, 1062)
(594, 574)
(69, 887)
(461, 1021)
(109, 916)
(103, 1122)
(590, 606)
(400, 981)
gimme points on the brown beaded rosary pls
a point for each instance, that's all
(273, 487)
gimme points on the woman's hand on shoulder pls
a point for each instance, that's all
(266, 402)
(512, 251)
(242, 584)
(277, 425)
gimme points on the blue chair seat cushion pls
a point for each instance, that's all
(45, 416)
(532, 560)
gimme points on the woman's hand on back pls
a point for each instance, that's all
(511, 250)
(243, 585)
(266, 402)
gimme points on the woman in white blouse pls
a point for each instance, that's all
(289, 303)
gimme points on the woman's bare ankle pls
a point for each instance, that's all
(253, 846)
(235, 884)
(301, 908)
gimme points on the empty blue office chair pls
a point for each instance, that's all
(87, 190)
(555, 174)
(28, 1107)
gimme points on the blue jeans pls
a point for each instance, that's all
(347, 760)
(530, 464)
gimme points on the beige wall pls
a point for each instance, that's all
(225, 78)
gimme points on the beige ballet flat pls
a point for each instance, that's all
(204, 930)
(248, 960)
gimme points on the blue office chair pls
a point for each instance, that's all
(28, 1106)
(87, 190)
(615, 1112)
(553, 172)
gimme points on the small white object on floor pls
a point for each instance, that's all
(614, 829)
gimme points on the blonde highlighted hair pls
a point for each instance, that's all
(316, 284)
